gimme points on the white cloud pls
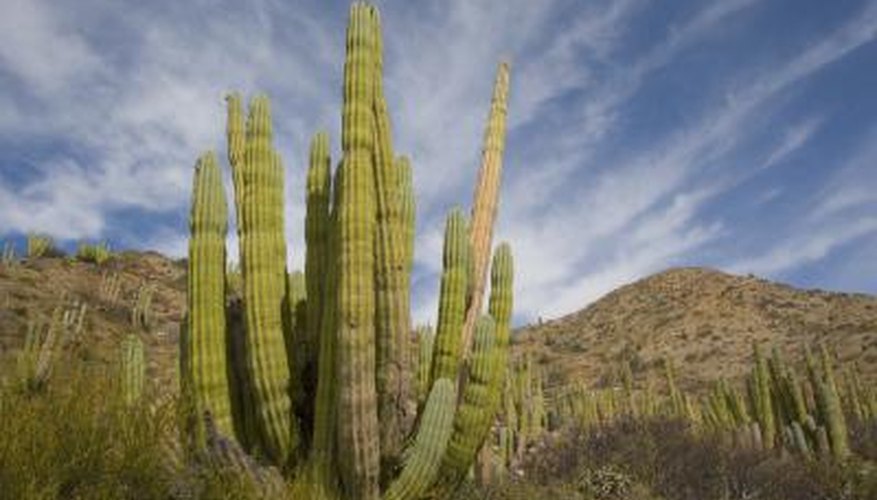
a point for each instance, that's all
(806, 247)
(794, 138)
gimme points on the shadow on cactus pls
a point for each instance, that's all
(311, 372)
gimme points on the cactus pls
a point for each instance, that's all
(110, 287)
(133, 369)
(141, 311)
(7, 257)
(426, 340)
(486, 198)
(339, 335)
(97, 253)
(208, 223)
(39, 245)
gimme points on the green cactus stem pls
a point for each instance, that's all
(263, 263)
(206, 298)
(452, 298)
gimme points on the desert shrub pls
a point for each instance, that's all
(97, 253)
(78, 439)
(669, 459)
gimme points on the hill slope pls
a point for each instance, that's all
(705, 321)
(31, 290)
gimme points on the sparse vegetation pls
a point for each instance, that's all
(97, 253)
(201, 379)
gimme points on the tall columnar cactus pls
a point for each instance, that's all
(263, 263)
(208, 223)
(392, 299)
(339, 335)
(486, 200)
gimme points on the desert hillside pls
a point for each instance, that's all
(705, 321)
(31, 291)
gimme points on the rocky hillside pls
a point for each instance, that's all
(31, 290)
(705, 321)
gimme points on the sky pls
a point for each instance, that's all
(736, 134)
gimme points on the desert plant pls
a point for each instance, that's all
(141, 311)
(334, 413)
(39, 245)
(94, 252)
(133, 368)
(7, 257)
(110, 287)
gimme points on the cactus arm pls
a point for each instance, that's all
(484, 205)
(208, 225)
(426, 340)
(236, 139)
(474, 415)
(323, 460)
(422, 460)
(408, 209)
(316, 267)
(263, 263)
(392, 300)
(452, 298)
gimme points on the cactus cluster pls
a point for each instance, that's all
(7, 256)
(141, 311)
(775, 410)
(44, 339)
(97, 253)
(310, 371)
(110, 288)
(39, 245)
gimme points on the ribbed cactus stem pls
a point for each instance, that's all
(475, 413)
(208, 225)
(502, 301)
(263, 263)
(236, 139)
(763, 399)
(452, 298)
(422, 460)
(133, 369)
(425, 340)
(830, 408)
(296, 338)
(392, 301)
(317, 227)
(358, 435)
(486, 198)
(408, 208)
(325, 406)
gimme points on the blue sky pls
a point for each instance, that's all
(738, 134)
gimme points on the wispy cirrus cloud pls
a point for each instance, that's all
(641, 135)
